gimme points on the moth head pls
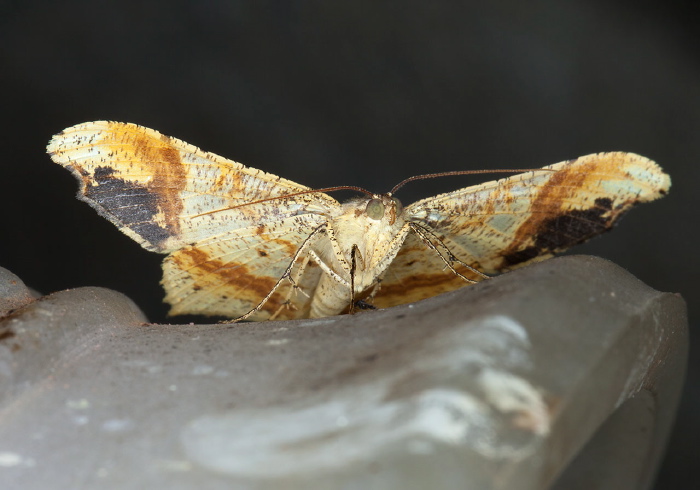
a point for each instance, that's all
(379, 207)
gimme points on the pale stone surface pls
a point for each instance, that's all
(13, 293)
(498, 386)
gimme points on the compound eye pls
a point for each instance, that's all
(375, 209)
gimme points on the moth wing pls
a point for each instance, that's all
(165, 193)
(507, 223)
(231, 273)
(416, 273)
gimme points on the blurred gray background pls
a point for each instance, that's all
(355, 93)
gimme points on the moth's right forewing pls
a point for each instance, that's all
(502, 224)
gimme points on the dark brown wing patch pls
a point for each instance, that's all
(564, 231)
(128, 203)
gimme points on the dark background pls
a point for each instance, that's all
(355, 93)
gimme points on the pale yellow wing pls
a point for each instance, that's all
(231, 273)
(503, 224)
(165, 193)
(417, 273)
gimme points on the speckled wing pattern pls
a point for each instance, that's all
(171, 197)
(242, 243)
(504, 224)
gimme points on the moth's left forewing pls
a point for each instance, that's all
(165, 193)
(507, 223)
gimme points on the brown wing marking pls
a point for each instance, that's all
(135, 180)
(566, 210)
(165, 193)
(418, 273)
(560, 232)
(231, 275)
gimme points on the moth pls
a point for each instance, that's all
(246, 244)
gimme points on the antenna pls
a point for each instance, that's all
(466, 172)
(284, 196)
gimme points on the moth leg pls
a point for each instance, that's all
(353, 267)
(450, 256)
(366, 301)
(336, 248)
(361, 304)
(300, 272)
(285, 275)
(294, 289)
(423, 235)
(280, 309)
(326, 268)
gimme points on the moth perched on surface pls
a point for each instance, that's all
(243, 243)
